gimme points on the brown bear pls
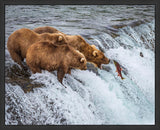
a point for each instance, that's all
(45, 29)
(91, 53)
(48, 56)
(20, 40)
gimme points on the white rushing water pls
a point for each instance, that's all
(93, 98)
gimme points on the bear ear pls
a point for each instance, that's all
(93, 46)
(60, 38)
(82, 60)
(95, 53)
(60, 41)
(77, 51)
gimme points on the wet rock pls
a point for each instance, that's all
(63, 121)
(124, 19)
(106, 68)
(92, 68)
(141, 54)
(17, 76)
(119, 26)
(136, 23)
(79, 81)
(132, 24)
(114, 35)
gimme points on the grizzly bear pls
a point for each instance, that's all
(48, 56)
(91, 53)
(20, 40)
(46, 29)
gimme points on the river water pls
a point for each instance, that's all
(93, 96)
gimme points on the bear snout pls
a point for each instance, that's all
(107, 61)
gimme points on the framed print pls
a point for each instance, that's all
(69, 64)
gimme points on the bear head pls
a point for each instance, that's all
(91, 53)
(97, 57)
(78, 60)
(55, 38)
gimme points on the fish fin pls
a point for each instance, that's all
(123, 78)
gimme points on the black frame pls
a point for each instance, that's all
(80, 2)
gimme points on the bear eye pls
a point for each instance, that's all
(103, 58)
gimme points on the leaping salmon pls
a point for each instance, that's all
(118, 69)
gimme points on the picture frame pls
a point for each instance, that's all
(82, 2)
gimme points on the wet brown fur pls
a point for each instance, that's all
(47, 29)
(20, 40)
(46, 56)
(80, 44)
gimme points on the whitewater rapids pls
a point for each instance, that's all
(93, 96)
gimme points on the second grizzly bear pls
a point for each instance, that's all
(47, 56)
(20, 40)
(91, 53)
(46, 29)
